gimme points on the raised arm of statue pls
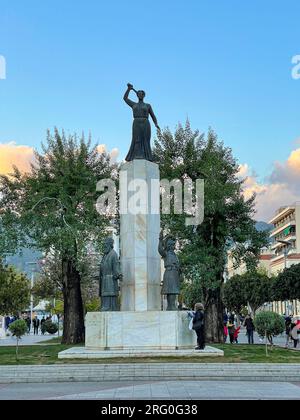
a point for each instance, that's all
(161, 248)
(153, 117)
(126, 95)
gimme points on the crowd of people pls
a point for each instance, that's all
(37, 323)
(292, 330)
(232, 327)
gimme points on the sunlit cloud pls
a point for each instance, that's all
(114, 153)
(281, 188)
(12, 154)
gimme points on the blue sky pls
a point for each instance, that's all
(224, 64)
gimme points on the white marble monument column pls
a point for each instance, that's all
(139, 234)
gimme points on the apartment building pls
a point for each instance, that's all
(264, 263)
(284, 251)
(286, 248)
(285, 237)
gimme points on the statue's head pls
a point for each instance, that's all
(108, 245)
(170, 244)
(141, 94)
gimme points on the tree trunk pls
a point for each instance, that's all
(214, 329)
(73, 324)
(17, 350)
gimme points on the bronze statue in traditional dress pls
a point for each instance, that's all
(109, 275)
(141, 131)
(171, 279)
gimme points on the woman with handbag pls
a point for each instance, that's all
(198, 326)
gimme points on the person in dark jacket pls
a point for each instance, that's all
(198, 326)
(248, 323)
(36, 324)
(231, 331)
(28, 323)
(43, 329)
(288, 324)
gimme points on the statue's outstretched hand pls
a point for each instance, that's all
(130, 86)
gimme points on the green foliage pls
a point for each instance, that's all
(50, 327)
(44, 289)
(14, 290)
(228, 216)
(53, 209)
(251, 288)
(233, 294)
(269, 324)
(18, 328)
(286, 286)
(57, 309)
(92, 305)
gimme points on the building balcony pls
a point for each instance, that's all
(290, 238)
(281, 254)
(282, 213)
(281, 228)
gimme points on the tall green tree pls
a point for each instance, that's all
(233, 294)
(286, 286)
(53, 209)
(251, 289)
(14, 291)
(228, 216)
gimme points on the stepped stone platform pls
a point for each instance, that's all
(101, 372)
(86, 353)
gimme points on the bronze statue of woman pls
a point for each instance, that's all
(141, 130)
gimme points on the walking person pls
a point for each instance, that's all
(42, 325)
(36, 324)
(199, 326)
(225, 333)
(231, 331)
(236, 335)
(28, 323)
(248, 323)
(295, 328)
(288, 324)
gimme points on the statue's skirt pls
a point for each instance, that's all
(171, 283)
(140, 145)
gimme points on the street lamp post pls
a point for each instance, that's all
(285, 253)
(32, 264)
(286, 250)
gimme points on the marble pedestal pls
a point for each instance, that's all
(138, 335)
(153, 330)
(139, 235)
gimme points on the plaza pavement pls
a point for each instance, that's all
(151, 391)
(27, 340)
(31, 339)
(278, 341)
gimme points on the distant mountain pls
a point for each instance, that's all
(21, 259)
(263, 226)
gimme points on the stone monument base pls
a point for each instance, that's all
(84, 353)
(138, 334)
(155, 330)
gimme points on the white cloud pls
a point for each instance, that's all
(12, 154)
(114, 153)
(281, 188)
